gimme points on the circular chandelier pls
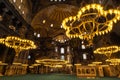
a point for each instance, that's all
(91, 20)
(17, 43)
(113, 61)
(107, 50)
(52, 62)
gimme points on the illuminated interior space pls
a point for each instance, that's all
(59, 39)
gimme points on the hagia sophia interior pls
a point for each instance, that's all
(59, 39)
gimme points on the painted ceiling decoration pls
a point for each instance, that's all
(50, 19)
(61, 38)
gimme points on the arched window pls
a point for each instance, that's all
(62, 57)
(68, 48)
(83, 46)
(62, 50)
(84, 56)
(56, 49)
(29, 57)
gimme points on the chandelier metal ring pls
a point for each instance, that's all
(107, 50)
(91, 20)
(17, 43)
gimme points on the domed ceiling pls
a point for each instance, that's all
(47, 22)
